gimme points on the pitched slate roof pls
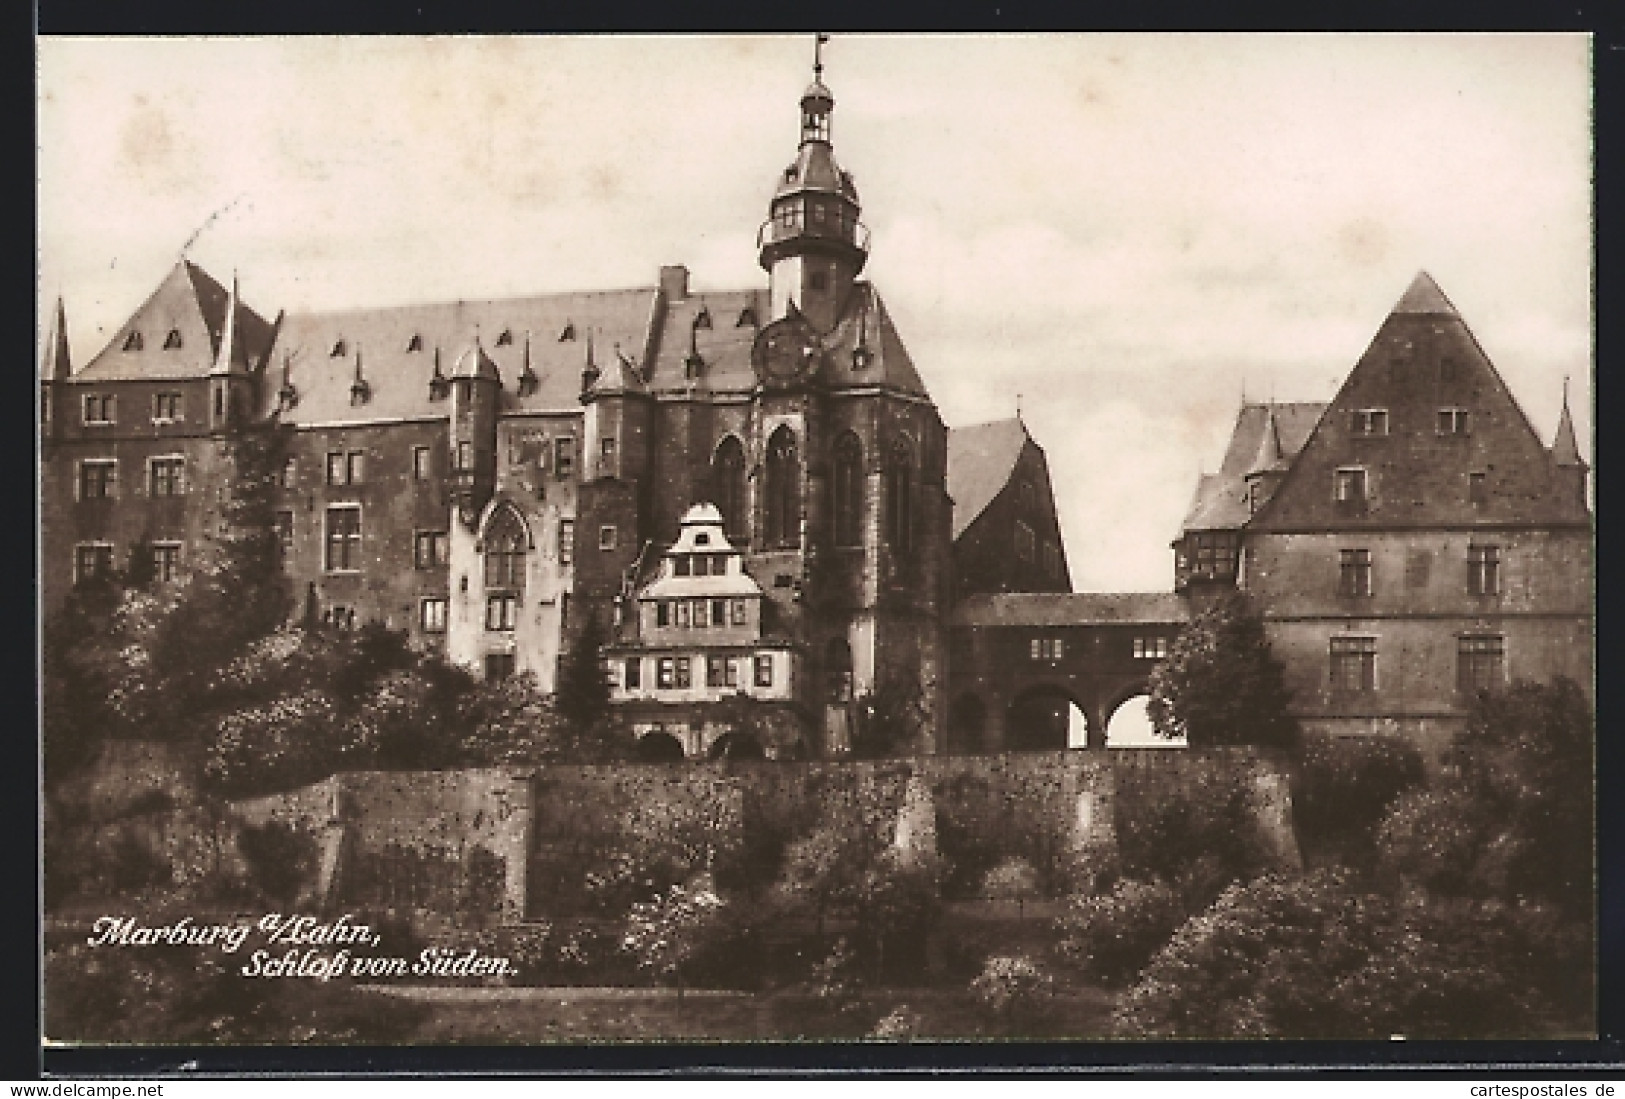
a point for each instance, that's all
(1071, 609)
(187, 312)
(1424, 296)
(1220, 502)
(980, 460)
(1565, 450)
(399, 345)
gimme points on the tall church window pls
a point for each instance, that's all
(781, 519)
(848, 491)
(728, 476)
(900, 498)
(505, 552)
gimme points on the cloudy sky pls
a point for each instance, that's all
(1127, 231)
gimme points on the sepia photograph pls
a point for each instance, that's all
(844, 538)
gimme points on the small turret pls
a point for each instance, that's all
(55, 371)
(229, 379)
(476, 391)
(1269, 465)
(1571, 468)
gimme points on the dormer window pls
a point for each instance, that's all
(360, 392)
(1349, 485)
(702, 319)
(569, 332)
(173, 340)
(747, 315)
(506, 338)
(790, 174)
(340, 349)
(1371, 422)
(415, 343)
(133, 342)
(861, 357)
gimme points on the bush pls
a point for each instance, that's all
(280, 859)
(1113, 935)
(1346, 784)
(1014, 879)
(135, 866)
(1164, 834)
(1015, 988)
(901, 1024)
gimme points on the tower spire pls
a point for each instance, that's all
(57, 366)
(818, 56)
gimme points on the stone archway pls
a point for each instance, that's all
(1128, 725)
(659, 748)
(1040, 719)
(736, 746)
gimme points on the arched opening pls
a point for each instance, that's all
(967, 726)
(736, 746)
(1130, 726)
(659, 748)
(781, 510)
(728, 484)
(848, 490)
(838, 669)
(1041, 719)
(900, 497)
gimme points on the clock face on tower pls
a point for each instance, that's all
(785, 352)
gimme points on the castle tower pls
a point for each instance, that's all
(476, 388)
(229, 380)
(55, 370)
(812, 245)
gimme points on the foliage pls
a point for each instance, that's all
(1113, 935)
(1318, 957)
(279, 745)
(280, 859)
(1013, 879)
(1014, 987)
(669, 934)
(1209, 820)
(583, 686)
(901, 1024)
(889, 718)
(134, 865)
(1220, 683)
(1345, 785)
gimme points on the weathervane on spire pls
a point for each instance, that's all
(818, 55)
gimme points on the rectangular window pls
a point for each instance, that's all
(1453, 421)
(335, 467)
(498, 665)
(429, 549)
(284, 532)
(420, 463)
(1483, 570)
(682, 565)
(166, 561)
(290, 472)
(1371, 421)
(1037, 652)
(91, 560)
(99, 408)
(713, 671)
(1349, 485)
(662, 613)
(1150, 648)
(166, 408)
(355, 467)
(567, 541)
(666, 672)
(98, 478)
(1048, 648)
(339, 616)
(606, 538)
(1354, 572)
(501, 611)
(740, 614)
(167, 476)
(1354, 664)
(764, 670)
(730, 672)
(606, 448)
(465, 455)
(564, 457)
(1477, 489)
(633, 678)
(684, 673)
(432, 615)
(343, 538)
(1480, 663)
(682, 613)
(719, 612)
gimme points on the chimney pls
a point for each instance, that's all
(674, 282)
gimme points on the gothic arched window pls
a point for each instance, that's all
(728, 478)
(505, 543)
(900, 498)
(848, 490)
(781, 510)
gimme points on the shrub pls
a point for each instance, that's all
(279, 859)
(1346, 784)
(668, 934)
(901, 1024)
(1113, 935)
(1164, 834)
(1014, 879)
(135, 866)
(1014, 987)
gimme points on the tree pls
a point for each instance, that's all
(1221, 684)
(583, 688)
(889, 718)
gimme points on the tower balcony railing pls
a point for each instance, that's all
(795, 224)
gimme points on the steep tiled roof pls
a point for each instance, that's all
(1070, 609)
(724, 346)
(980, 459)
(1424, 296)
(400, 342)
(1220, 502)
(1565, 450)
(187, 313)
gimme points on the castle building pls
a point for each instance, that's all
(1409, 544)
(490, 475)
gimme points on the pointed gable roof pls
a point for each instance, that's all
(1565, 449)
(1422, 360)
(177, 332)
(1220, 501)
(57, 366)
(981, 458)
(1271, 457)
